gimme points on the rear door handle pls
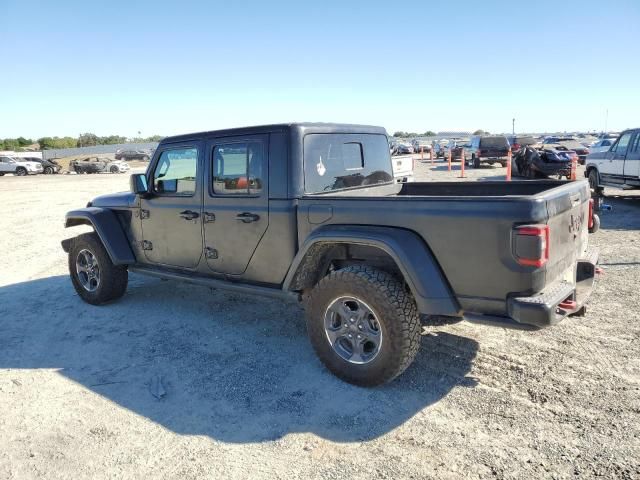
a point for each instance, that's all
(247, 217)
(189, 215)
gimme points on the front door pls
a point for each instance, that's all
(171, 216)
(632, 160)
(236, 201)
(611, 168)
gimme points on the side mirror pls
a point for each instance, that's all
(139, 184)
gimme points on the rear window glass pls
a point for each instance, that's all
(494, 142)
(525, 140)
(339, 161)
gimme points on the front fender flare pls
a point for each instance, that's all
(108, 229)
(421, 271)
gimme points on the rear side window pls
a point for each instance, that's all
(237, 168)
(340, 161)
(175, 173)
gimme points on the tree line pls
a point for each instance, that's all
(84, 140)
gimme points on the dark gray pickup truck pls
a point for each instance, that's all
(311, 212)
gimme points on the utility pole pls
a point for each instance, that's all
(606, 119)
(513, 126)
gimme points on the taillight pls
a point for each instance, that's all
(590, 213)
(531, 245)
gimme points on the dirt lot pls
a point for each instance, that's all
(244, 396)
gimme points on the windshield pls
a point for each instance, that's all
(340, 161)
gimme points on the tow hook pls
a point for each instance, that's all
(567, 305)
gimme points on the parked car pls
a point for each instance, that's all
(421, 146)
(19, 166)
(98, 165)
(532, 163)
(487, 149)
(440, 149)
(602, 145)
(133, 155)
(518, 141)
(617, 167)
(567, 143)
(404, 148)
(49, 167)
(331, 228)
(456, 146)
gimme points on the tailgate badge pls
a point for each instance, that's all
(575, 224)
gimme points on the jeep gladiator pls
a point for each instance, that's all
(311, 212)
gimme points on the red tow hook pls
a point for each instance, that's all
(568, 305)
(599, 271)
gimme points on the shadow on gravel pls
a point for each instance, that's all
(235, 369)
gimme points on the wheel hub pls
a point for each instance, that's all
(88, 270)
(353, 330)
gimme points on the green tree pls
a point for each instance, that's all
(400, 134)
(480, 132)
(429, 133)
(87, 140)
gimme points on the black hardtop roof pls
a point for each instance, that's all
(302, 128)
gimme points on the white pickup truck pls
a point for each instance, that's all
(617, 167)
(18, 166)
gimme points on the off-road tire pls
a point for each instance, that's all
(593, 181)
(114, 169)
(396, 312)
(48, 170)
(476, 162)
(113, 278)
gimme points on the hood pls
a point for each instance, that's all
(112, 200)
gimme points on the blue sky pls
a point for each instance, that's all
(119, 67)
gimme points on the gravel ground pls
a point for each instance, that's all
(178, 381)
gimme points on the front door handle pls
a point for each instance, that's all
(189, 215)
(247, 217)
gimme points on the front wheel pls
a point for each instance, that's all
(363, 325)
(114, 169)
(94, 276)
(21, 171)
(48, 171)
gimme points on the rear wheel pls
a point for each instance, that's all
(21, 171)
(363, 325)
(94, 276)
(48, 170)
(114, 169)
(476, 162)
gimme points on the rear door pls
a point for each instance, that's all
(632, 160)
(171, 216)
(236, 202)
(612, 167)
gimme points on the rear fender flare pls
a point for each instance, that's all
(418, 266)
(108, 229)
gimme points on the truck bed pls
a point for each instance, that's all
(469, 228)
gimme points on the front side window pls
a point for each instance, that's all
(621, 147)
(175, 173)
(237, 168)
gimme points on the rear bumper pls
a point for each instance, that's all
(558, 301)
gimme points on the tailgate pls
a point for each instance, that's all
(402, 165)
(568, 210)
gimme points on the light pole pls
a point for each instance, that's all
(513, 126)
